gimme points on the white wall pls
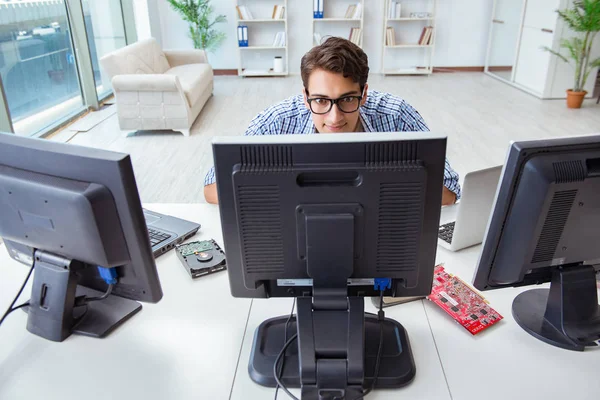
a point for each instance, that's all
(461, 36)
(142, 19)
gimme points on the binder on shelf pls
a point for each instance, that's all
(240, 35)
(245, 35)
(316, 8)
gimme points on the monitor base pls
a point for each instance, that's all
(397, 367)
(52, 313)
(567, 315)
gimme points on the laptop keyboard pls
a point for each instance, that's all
(446, 231)
(157, 237)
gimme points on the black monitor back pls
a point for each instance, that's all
(80, 203)
(389, 183)
(547, 212)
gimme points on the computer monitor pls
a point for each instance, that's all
(545, 227)
(66, 210)
(326, 219)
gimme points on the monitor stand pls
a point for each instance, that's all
(52, 313)
(336, 349)
(567, 315)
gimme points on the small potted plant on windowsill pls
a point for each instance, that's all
(584, 19)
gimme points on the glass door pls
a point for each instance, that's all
(105, 33)
(37, 64)
(504, 38)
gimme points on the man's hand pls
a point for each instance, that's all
(448, 196)
(210, 194)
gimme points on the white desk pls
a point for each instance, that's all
(189, 345)
(505, 362)
(184, 347)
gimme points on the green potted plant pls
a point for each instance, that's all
(198, 13)
(584, 19)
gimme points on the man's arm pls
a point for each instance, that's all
(448, 197)
(210, 193)
(210, 187)
(452, 190)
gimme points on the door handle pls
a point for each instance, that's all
(497, 21)
(547, 30)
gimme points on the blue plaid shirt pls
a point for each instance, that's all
(382, 112)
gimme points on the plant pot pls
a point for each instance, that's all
(574, 99)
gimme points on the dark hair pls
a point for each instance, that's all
(336, 55)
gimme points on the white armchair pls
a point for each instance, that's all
(156, 89)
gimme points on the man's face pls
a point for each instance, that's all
(329, 85)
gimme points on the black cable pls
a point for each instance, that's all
(281, 353)
(15, 309)
(104, 296)
(10, 308)
(287, 323)
(380, 317)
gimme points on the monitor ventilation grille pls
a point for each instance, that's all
(554, 225)
(267, 156)
(400, 208)
(261, 229)
(569, 171)
(391, 153)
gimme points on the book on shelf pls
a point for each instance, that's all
(394, 10)
(390, 37)
(278, 12)
(280, 39)
(350, 11)
(244, 12)
(318, 38)
(355, 36)
(354, 11)
(426, 38)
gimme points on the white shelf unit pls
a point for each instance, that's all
(333, 22)
(256, 60)
(408, 30)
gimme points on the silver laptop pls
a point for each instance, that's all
(463, 224)
(165, 231)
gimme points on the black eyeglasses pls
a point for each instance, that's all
(322, 105)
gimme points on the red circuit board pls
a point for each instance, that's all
(461, 302)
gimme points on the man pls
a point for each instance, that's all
(335, 100)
